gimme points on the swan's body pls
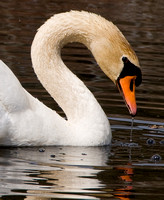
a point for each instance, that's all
(26, 121)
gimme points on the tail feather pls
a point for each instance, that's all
(12, 95)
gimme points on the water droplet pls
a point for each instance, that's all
(33, 163)
(156, 157)
(84, 154)
(41, 150)
(161, 142)
(150, 141)
(62, 154)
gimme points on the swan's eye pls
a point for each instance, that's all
(124, 59)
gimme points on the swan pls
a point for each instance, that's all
(25, 121)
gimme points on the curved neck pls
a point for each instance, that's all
(66, 89)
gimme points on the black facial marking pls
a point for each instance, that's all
(131, 85)
(130, 69)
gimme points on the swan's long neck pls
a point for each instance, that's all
(67, 90)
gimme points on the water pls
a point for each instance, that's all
(125, 170)
(131, 131)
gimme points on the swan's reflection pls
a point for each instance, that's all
(69, 172)
(76, 156)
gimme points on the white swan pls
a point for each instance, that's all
(26, 121)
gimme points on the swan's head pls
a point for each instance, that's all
(119, 62)
(129, 77)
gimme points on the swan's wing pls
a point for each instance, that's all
(13, 97)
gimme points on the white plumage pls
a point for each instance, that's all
(26, 121)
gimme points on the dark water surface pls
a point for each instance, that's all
(123, 171)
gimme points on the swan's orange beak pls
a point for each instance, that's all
(126, 86)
